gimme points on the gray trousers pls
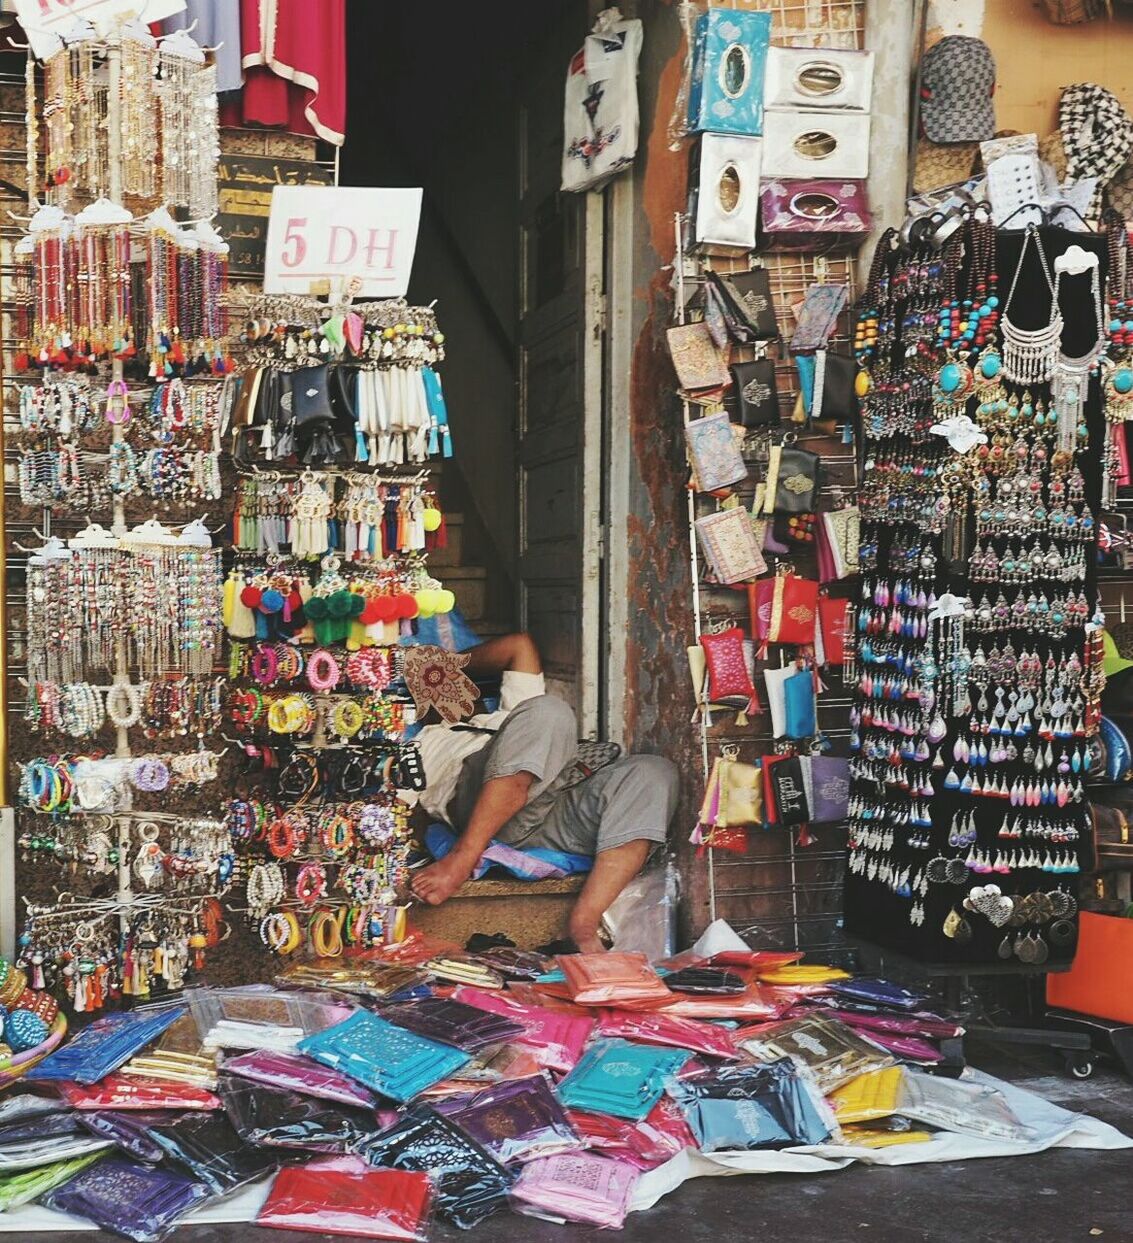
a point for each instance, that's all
(632, 799)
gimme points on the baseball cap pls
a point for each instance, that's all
(957, 83)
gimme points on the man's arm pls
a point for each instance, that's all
(510, 652)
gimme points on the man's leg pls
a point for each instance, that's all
(531, 748)
(515, 652)
(619, 816)
(613, 870)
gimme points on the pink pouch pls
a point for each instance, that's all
(300, 1074)
(665, 1029)
(556, 1039)
(576, 1186)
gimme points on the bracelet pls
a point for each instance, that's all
(348, 719)
(337, 834)
(265, 665)
(124, 715)
(311, 883)
(323, 672)
(149, 773)
(325, 932)
(117, 402)
(280, 932)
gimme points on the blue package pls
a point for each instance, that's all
(106, 1044)
(729, 60)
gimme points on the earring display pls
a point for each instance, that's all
(979, 665)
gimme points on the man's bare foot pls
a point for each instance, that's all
(439, 881)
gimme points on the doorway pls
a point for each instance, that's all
(468, 104)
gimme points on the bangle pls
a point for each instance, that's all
(323, 673)
(337, 834)
(311, 883)
(117, 402)
(265, 665)
(348, 718)
(325, 932)
(123, 715)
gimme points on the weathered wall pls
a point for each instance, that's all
(1035, 58)
(659, 701)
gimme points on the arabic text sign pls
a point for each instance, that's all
(45, 20)
(364, 236)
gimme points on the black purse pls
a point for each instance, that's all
(755, 393)
(749, 308)
(312, 419)
(835, 395)
(796, 484)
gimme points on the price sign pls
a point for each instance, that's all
(44, 21)
(363, 236)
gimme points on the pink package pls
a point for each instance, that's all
(576, 1186)
(556, 1038)
(657, 1138)
(666, 1029)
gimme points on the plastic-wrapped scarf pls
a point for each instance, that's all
(1097, 134)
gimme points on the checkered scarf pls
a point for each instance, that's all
(1097, 133)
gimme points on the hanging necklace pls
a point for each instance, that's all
(1029, 357)
(1071, 375)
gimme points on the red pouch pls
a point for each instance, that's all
(347, 1196)
(727, 670)
(794, 610)
(666, 1029)
(118, 1091)
(832, 616)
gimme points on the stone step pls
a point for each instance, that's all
(469, 583)
(529, 912)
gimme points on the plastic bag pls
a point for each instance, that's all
(127, 1131)
(558, 1039)
(119, 1091)
(869, 1097)
(657, 1138)
(451, 1022)
(28, 1185)
(277, 1118)
(643, 917)
(258, 1017)
(516, 1121)
(666, 1030)
(830, 1050)
(366, 979)
(608, 979)
(619, 1078)
(299, 1074)
(753, 1003)
(962, 1105)
(394, 1062)
(105, 1045)
(578, 1187)
(29, 1153)
(142, 1202)
(27, 1105)
(470, 1183)
(207, 1145)
(347, 1196)
(748, 1107)
(52, 1126)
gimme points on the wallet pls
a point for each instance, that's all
(748, 305)
(755, 392)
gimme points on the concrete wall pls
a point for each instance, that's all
(658, 697)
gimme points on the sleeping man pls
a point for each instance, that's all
(483, 774)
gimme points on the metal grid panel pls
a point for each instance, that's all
(778, 893)
(811, 23)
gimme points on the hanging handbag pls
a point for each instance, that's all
(833, 614)
(837, 541)
(748, 297)
(696, 360)
(730, 546)
(792, 480)
(817, 319)
(787, 609)
(728, 673)
(714, 452)
(827, 780)
(835, 397)
(784, 792)
(812, 214)
(734, 794)
(755, 392)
